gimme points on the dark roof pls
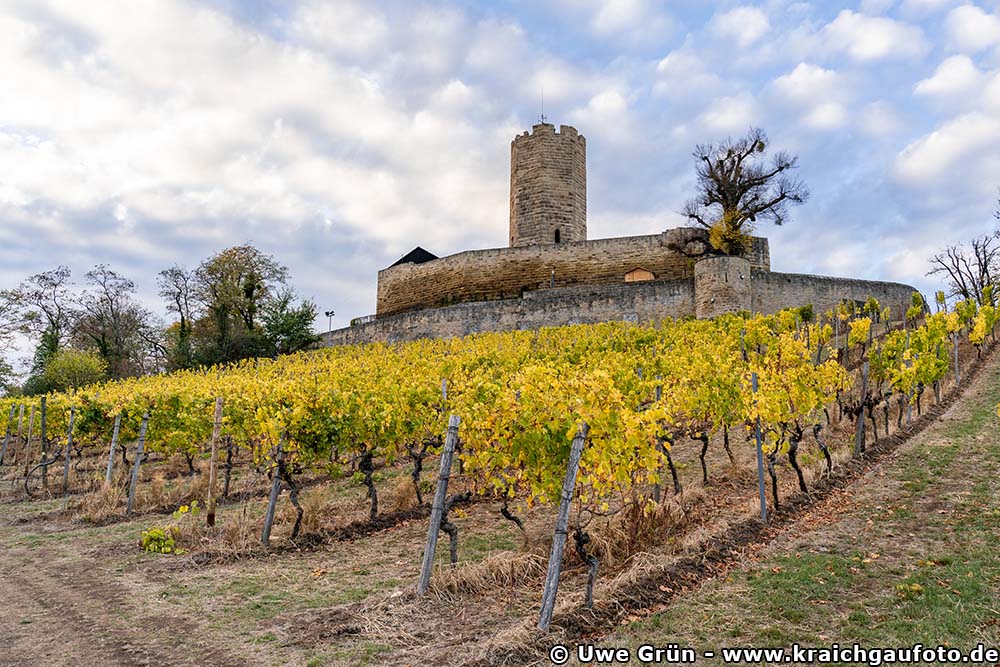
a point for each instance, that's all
(416, 256)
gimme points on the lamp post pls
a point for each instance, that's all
(329, 319)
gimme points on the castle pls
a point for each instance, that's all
(551, 274)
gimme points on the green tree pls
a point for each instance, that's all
(7, 378)
(69, 369)
(288, 327)
(236, 304)
(47, 348)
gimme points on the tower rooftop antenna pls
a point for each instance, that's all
(541, 117)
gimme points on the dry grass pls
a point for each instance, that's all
(497, 571)
(101, 505)
(401, 495)
(236, 536)
(160, 494)
(316, 510)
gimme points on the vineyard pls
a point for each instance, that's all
(637, 445)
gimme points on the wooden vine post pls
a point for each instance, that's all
(272, 502)
(909, 394)
(45, 446)
(762, 488)
(27, 441)
(6, 437)
(17, 437)
(139, 449)
(114, 445)
(559, 538)
(656, 487)
(958, 371)
(437, 508)
(69, 451)
(859, 434)
(216, 428)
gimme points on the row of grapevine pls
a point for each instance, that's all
(523, 394)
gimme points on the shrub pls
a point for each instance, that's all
(159, 540)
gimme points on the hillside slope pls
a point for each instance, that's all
(907, 555)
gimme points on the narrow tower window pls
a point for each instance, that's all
(557, 236)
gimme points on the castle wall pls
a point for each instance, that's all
(505, 273)
(633, 302)
(548, 186)
(774, 291)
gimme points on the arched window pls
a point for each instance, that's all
(558, 236)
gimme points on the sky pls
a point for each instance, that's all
(339, 134)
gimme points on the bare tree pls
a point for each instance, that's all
(112, 322)
(11, 324)
(11, 318)
(738, 187)
(47, 302)
(177, 287)
(969, 268)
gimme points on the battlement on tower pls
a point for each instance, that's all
(548, 128)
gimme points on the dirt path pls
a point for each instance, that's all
(64, 609)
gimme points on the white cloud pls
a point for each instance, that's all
(606, 115)
(560, 82)
(682, 73)
(729, 114)
(879, 119)
(636, 21)
(613, 16)
(497, 44)
(818, 92)
(344, 27)
(744, 25)
(876, 6)
(826, 116)
(971, 29)
(810, 84)
(924, 7)
(965, 140)
(180, 114)
(991, 93)
(867, 38)
(956, 75)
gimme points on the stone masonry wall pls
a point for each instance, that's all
(774, 291)
(505, 273)
(548, 186)
(633, 302)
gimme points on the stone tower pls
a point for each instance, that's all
(721, 285)
(548, 186)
